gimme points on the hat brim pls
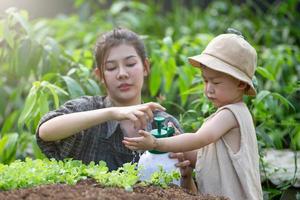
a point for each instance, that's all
(221, 66)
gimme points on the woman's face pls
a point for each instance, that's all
(123, 75)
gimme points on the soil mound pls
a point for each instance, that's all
(89, 189)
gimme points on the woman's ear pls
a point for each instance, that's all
(98, 74)
(146, 67)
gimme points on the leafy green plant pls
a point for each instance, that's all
(125, 176)
(31, 173)
(162, 178)
(36, 172)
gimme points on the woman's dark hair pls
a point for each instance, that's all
(114, 38)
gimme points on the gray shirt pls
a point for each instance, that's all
(100, 142)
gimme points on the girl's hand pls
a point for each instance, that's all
(146, 142)
(170, 124)
(140, 115)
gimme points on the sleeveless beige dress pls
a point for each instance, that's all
(220, 171)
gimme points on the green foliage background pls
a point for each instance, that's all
(44, 62)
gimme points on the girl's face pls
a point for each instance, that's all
(123, 75)
(222, 89)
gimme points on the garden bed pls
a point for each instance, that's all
(71, 179)
(90, 189)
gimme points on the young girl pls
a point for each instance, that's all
(227, 160)
(91, 128)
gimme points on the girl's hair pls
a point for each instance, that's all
(114, 38)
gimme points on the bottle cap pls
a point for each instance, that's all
(161, 131)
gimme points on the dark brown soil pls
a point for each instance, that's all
(89, 189)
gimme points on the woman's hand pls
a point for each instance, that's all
(146, 142)
(140, 115)
(186, 171)
(184, 165)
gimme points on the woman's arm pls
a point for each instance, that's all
(192, 157)
(186, 163)
(189, 183)
(66, 125)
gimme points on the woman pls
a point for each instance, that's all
(91, 128)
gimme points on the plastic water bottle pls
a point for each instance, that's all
(152, 159)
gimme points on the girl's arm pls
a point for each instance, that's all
(63, 126)
(209, 132)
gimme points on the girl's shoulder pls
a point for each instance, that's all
(238, 105)
(239, 109)
(238, 113)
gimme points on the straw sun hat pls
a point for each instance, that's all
(231, 54)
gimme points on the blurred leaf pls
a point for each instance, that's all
(266, 137)
(169, 71)
(283, 100)
(1, 29)
(182, 88)
(54, 91)
(8, 147)
(38, 154)
(155, 80)
(205, 108)
(117, 7)
(168, 41)
(9, 122)
(93, 87)
(7, 34)
(20, 19)
(265, 73)
(30, 104)
(261, 95)
(78, 3)
(35, 56)
(23, 57)
(73, 87)
(43, 103)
